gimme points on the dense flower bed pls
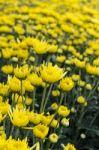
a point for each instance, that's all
(49, 75)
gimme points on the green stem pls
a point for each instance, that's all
(33, 104)
(94, 119)
(43, 98)
(4, 124)
(48, 145)
(41, 145)
(61, 130)
(33, 140)
(36, 60)
(22, 94)
(52, 146)
(92, 91)
(47, 97)
(81, 115)
(65, 99)
(17, 133)
(12, 129)
(13, 101)
(17, 99)
(48, 59)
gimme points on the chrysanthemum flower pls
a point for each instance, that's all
(50, 73)
(19, 118)
(40, 131)
(69, 147)
(66, 84)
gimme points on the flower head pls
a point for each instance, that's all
(40, 131)
(69, 147)
(19, 117)
(51, 74)
(14, 84)
(53, 138)
(66, 84)
(63, 111)
(21, 72)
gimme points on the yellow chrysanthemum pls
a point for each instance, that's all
(53, 138)
(63, 111)
(66, 84)
(40, 131)
(19, 118)
(50, 73)
(7, 69)
(21, 72)
(69, 147)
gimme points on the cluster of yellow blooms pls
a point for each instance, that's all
(49, 71)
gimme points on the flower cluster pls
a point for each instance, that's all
(49, 74)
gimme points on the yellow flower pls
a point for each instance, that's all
(79, 63)
(53, 138)
(60, 58)
(73, 110)
(55, 93)
(67, 28)
(51, 73)
(96, 62)
(7, 69)
(5, 28)
(88, 86)
(28, 101)
(21, 72)
(4, 89)
(40, 131)
(14, 59)
(66, 84)
(75, 77)
(1, 99)
(14, 84)
(46, 120)
(19, 117)
(54, 123)
(4, 107)
(19, 29)
(92, 69)
(2, 143)
(29, 41)
(65, 122)
(35, 79)
(81, 83)
(22, 54)
(63, 111)
(54, 106)
(12, 144)
(39, 46)
(28, 86)
(7, 53)
(81, 100)
(31, 58)
(35, 118)
(69, 147)
(52, 48)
